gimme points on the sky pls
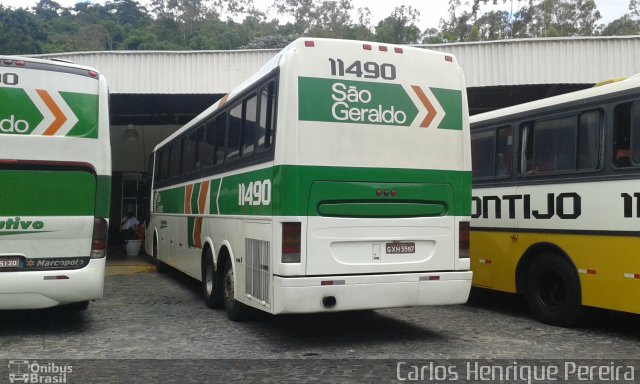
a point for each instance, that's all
(431, 11)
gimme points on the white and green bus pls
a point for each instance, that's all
(338, 177)
(55, 173)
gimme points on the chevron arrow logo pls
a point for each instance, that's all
(431, 111)
(58, 118)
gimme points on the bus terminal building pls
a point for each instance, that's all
(153, 93)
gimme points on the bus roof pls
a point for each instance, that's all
(8, 61)
(274, 62)
(619, 86)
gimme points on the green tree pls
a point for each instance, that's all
(332, 19)
(494, 25)
(399, 27)
(536, 18)
(624, 26)
(21, 33)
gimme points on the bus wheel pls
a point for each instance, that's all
(160, 266)
(236, 311)
(211, 283)
(553, 290)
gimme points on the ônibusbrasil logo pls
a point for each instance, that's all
(25, 371)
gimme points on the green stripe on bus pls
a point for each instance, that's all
(18, 114)
(213, 194)
(85, 107)
(171, 200)
(195, 195)
(291, 186)
(451, 102)
(47, 193)
(332, 100)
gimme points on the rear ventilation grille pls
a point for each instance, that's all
(257, 270)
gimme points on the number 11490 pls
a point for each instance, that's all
(255, 193)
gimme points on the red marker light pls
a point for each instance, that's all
(448, 58)
(93, 73)
(397, 50)
(366, 47)
(383, 48)
(309, 44)
(394, 192)
(20, 63)
(379, 192)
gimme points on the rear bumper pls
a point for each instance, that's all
(38, 289)
(305, 294)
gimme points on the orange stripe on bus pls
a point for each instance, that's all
(431, 111)
(197, 231)
(60, 118)
(202, 199)
(187, 198)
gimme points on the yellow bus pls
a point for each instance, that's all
(556, 201)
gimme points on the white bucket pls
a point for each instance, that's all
(133, 247)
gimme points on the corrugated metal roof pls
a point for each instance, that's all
(504, 62)
(579, 60)
(175, 72)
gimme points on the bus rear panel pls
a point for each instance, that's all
(54, 196)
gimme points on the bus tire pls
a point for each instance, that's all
(236, 311)
(211, 282)
(160, 266)
(553, 290)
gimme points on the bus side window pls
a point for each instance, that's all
(249, 125)
(199, 141)
(157, 169)
(189, 152)
(635, 133)
(622, 135)
(589, 137)
(551, 145)
(483, 147)
(164, 167)
(220, 131)
(235, 129)
(208, 151)
(175, 159)
(504, 152)
(265, 121)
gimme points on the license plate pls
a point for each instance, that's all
(9, 262)
(401, 248)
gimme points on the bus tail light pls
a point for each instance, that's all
(463, 235)
(99, 238)
(291, 242)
